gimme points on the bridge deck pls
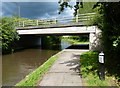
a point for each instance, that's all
(59, 31)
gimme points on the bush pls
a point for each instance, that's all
(89, 69)
(108, 21)
(89, 62)
(51, 42)
(9, 34)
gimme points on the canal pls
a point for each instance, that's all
(19, 64)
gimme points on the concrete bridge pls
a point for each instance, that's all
(58, 29)
(74, 28)
(63, 29)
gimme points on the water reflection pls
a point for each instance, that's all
(16, 66)
(19, 64)
(65, 44)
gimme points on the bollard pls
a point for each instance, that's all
(102, 66)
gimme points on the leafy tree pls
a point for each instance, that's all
(9, 34)
(65, 4)
(108, 21)
(80, 6)
(51, 42)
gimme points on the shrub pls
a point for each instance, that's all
(9, 34)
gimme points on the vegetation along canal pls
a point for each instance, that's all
(19, 64)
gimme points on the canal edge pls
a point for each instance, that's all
(27, 76)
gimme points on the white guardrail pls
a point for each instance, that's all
(59, 20)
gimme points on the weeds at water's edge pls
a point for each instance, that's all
(33, 78)
(89, 70)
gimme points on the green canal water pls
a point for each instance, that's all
(19, 64)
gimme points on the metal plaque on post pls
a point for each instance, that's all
(101, 57)
(102, 67)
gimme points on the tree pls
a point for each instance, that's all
(9, 34)
(109, 23)
(65, 4)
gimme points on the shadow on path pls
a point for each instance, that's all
(79, 46)
(74, 63)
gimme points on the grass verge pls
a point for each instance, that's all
(89, 70)
(74, 42)
(35, 76)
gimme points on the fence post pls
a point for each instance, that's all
(19, 24)
(23, 23)
(87, 18)
(37, 22)
(76, 18)
(55, 20)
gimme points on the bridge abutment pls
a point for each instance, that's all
(95, 40)
(91, 40)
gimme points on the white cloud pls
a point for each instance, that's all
(69, 11)
(46, 15)
(1, 14)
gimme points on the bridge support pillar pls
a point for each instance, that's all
(95, 40)
(91, 40)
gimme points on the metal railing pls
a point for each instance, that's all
(58, 20)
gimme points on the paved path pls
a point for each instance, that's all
(65, 70)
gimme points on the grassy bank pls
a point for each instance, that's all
(74, 42)
(33, 78)
(89, 70)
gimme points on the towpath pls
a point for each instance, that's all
(65, 71)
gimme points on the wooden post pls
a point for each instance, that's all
(37, 22)
(19, 24)
(76, 18)
(55, 21)
(23, 23)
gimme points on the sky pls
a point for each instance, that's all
(34, 10)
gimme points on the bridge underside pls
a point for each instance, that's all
(58, 34)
